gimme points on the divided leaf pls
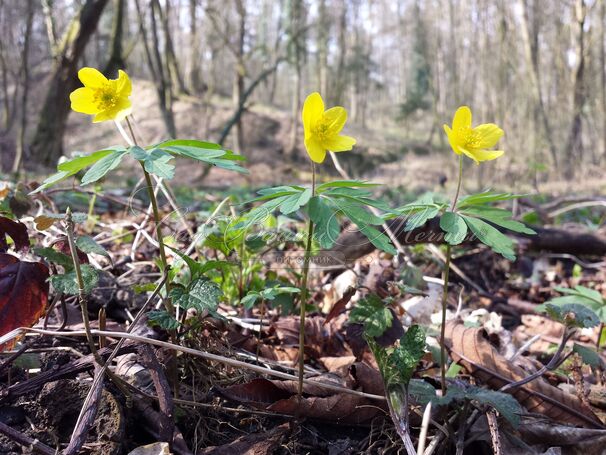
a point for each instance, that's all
(103, 166)
(327, 227)
(373, 314)
(67, 283)
(491, 237)
(202, 294)
(454, 226)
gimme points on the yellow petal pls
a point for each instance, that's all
(313, 108)
(124, 85)
(487, 135)
(487, 155)
(336, 118)
(470, 154)
(339, 143)
(316, 152)
(462, 118)
(118, 112)
(82, 100)
(452, 139)
(92, 77)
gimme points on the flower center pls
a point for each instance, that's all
(322, 129)
(469, 139)
(105, 97)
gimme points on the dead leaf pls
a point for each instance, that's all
(340, 305)
(262, 443)
(23, 293)
(157, 448)
(4, 192)
(470, 348)
(16, 231)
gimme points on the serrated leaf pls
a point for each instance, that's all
(499, 217)
(260, 213)
(485, 197)
(327, 227)
(491, 237)
(344, 184)
(206, 152)
(357, 213)
(378, 239)
(155, 161)
(573, 314)
(588, 355)
(103, 166)
(407, 355)
(373, 314)
(67, 283)
(202, 294)
(162, 319)
(295, 201)
(454, 226)
(88, 245)
(54, 256)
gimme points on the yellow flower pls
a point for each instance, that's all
(106, 99)
(473, 142)
(322, 128)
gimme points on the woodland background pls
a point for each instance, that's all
(237, 71)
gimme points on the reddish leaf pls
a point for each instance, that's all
(16, 231)
(62, 246)
(340, 305)
(23, 293)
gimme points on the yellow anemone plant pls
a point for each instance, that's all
(323, 127)
(106, 99)
(473, 142)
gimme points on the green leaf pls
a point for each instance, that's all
(88, 245)
(295, 201)
(162, 319)
(582, 316)
(407, 355)
(358, 214)
(490, 236)
(249, 300)
(206, 152)
(378, 239)
(202, 294)
(327, 227)
(77, 164)
(486, 197)
(260, 213)
(344, 184)
(68, 284)
(103, 166)
(498, 217)
(588, 355)
(454, 226)
(375, 316)
(154, 161)
(56, 257)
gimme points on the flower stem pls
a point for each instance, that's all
(157, 221)
(445, 288)
(303, 303)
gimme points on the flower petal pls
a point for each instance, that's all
(82, 100)
(487, 155)
(313, 108)
(470, 154)
(118, 112)
(462, 118)
(452, 139)
(336, 118)
(92, 77)
(316, 152)
(487, 135)
(124, 85)
(339, 143)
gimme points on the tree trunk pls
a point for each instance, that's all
(116, 56)
(51, 29)
(238, 93)
(174, 73)
(47, 145)
(196, 85)
(25, 93)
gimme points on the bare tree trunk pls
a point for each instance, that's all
(238, 92)
(296, 17)
(116, 56)
(603, 72)
(574, 147)
(174, 73)
(25, 92)
(322, 45)
(196, 85)
(47, 145)
(51, 29)
(340, 82)
(531, 50)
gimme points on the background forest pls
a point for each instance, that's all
(236, 72)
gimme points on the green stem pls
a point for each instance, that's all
(157, 221)
(445, 288)
(303, 303)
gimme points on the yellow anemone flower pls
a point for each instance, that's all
(322, 128)
(106, 99)
(473, 142)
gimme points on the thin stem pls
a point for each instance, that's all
(157, 221)
(445, 288)
(600, 330)
(443, 328)
(303, 303)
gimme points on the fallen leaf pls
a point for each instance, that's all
(16, 231)
(43, 222)
(23, 293)
(470, 348)
(157, 448)
(262, 443)
(340, 305)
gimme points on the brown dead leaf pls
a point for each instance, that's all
(340, 305)
(470, 348)
(263, 443)
(16, 231)
(23, 293)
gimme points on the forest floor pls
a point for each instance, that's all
(243, 400)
